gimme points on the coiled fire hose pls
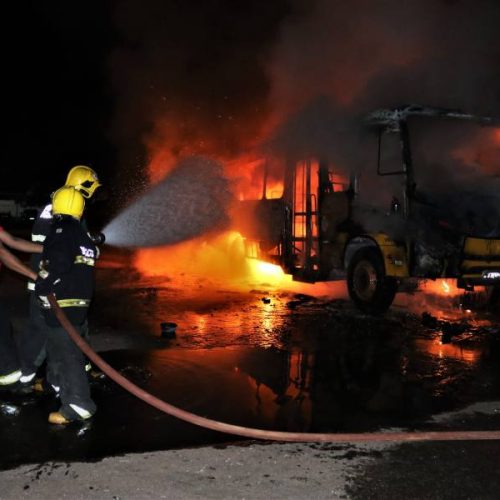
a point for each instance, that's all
(257, 433)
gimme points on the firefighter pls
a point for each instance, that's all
(67, 269)
(33, 339)
(10, 372)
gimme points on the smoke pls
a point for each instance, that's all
(295, 78)
(364, 55)
(190, 201)
(346, 59)
(211, 78)
(190, 79)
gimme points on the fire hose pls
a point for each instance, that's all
(249, 432)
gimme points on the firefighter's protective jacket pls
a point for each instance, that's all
(39, 232)
(67, 269)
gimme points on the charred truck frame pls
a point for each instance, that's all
(315, 233)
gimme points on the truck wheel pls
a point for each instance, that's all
(369, 288)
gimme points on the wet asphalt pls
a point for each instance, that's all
(257, 357)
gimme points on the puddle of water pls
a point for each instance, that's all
(468, 354)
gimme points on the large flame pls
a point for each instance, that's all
(221, 261)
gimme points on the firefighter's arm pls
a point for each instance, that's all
(12, 262)
(59, 253)
(19, 244)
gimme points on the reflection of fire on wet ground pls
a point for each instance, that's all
(254, 310)
(213, 292)
(219, 297)
(444, 339)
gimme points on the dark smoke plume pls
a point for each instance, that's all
(346, 59)
(365, 54)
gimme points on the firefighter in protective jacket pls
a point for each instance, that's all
(67, 270)
(10, 372)
(32, 340)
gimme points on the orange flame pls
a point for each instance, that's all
(482, 152)
(442, 287)
(221, 260)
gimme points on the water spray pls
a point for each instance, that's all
(192, 200)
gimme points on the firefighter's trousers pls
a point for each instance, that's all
(32, 340)
(66, 366)
(9, 364)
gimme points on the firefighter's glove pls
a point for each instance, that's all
(43, 302)
(44, 286)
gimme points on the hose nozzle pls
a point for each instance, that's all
(97, 238)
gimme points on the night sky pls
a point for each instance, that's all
(57, 104)
(73, 77)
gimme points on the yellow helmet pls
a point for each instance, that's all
(68, 201)
(83, 179)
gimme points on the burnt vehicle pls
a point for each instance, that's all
(322, 228)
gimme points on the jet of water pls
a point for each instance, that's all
(193, 199)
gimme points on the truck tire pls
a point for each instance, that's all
(369, 288)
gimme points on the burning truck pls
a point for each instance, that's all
(322, 227)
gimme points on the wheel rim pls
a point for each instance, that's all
(364, 281)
